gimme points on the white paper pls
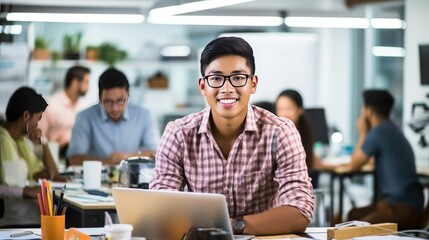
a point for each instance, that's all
(390, 237)
(6, 234)
(69, 185)
(89, 198)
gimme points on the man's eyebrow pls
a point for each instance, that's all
(220, 72)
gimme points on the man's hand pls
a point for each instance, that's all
(343, 168)
(30, 192)
(116, 158)
(362, 124)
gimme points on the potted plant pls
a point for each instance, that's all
(41, 50)
(71, 45)
(111, 54)
(92, 52)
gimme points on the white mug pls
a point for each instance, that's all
(91, 174)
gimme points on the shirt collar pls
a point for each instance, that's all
(104, 117)
(249, 126)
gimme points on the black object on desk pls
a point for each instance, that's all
(96, 192)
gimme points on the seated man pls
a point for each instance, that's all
(113, 129)
(232, 148)
(401, 194)
(18, 163)
(59, 117)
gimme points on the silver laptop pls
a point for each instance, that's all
(170, 214)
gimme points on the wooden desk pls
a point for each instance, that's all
(311, 232)
(82, 213)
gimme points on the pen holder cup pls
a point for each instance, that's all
(53, 227)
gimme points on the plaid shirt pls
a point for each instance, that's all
(265, 168)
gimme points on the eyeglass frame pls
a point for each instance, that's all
(225, 77)
(109, 103)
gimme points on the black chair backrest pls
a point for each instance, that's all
(318, 123)
(1, 208)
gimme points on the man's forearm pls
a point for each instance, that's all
(279, 220)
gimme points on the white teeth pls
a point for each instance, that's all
(227, 101)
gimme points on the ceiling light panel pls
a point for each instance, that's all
(75, 17)
(194, 7)
(217, 20)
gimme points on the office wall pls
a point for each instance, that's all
(331, 89)
(334, 89)
(416, 15)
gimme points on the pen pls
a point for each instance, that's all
(64, 210)
(21, 234)
(60, 200)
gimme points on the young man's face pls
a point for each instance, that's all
(228, 101)
(114, 102)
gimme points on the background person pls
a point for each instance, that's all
(232, 148)
(19, 164)
(290, 105)
(58, 119)
(401, 194)
(114, 129)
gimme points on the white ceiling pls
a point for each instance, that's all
(256, 7)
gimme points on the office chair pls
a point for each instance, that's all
(1, 208)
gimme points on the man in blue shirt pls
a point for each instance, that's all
(114, 129)
(401, 194)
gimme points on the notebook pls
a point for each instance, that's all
(170, 214)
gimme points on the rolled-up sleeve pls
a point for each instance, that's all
(295, 187)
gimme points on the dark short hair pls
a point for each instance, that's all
(381, 101)
(24, 99)
(112, 78)
(75, 72)
(223, 46)
(294, 95)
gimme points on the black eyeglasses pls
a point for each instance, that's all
(236, 80)
(110, 103)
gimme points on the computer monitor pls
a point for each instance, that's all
(317, 120)
(424, 62)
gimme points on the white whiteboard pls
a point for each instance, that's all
(284, 60)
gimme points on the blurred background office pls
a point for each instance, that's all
(328, 50)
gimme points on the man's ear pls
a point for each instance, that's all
(254, 82)
(202, 86)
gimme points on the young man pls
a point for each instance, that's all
(59, 117)
(113, 129)
(246, 153)
(401, 194)
(18, 163)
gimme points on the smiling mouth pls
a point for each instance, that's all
(228, 101)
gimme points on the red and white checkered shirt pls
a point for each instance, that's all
(265, 168)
